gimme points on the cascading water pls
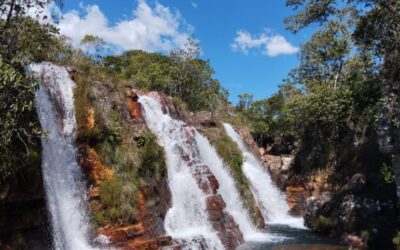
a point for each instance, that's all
(62, 174)
(187, 219)
(274, 206)
(228, 190)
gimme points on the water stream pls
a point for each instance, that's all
(62, 175)
(273, 202)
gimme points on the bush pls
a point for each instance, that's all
(19, 130)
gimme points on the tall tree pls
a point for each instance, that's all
(376, 31)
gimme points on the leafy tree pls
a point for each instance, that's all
(23, 40)
(245, 101)
(94, 46)
(375, 31)
(17, 118)
(181, 74)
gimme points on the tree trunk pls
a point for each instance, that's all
(9, 15)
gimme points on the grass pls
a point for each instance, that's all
(128, 149)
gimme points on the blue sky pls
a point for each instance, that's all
(263, 55)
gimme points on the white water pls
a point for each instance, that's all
(228, 190)
(187, 219)
(62, 174)
(273, 202)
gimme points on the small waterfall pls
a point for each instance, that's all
(274, 206)
(187, 219)
(228, 190)
(62, 174)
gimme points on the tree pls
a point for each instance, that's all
(245, 101)
(376, 33)
(94, 46)
(17, 118)
(23, 40)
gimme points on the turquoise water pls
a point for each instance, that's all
(287, 238)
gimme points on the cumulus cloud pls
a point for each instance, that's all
(269, 44)
(150, 28)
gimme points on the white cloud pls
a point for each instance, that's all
(154, 28)
(269, 44)
(194, 5)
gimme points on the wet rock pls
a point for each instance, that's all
(215, 205)
(231, 237)
(207, 182)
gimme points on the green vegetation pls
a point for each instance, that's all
(118, 204)
(339, 107)
(182, 75)
(324, 224)
(334, 99)
(125, 146)
(22, 40)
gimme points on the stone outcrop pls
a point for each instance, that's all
(133, 105)
(95, 170)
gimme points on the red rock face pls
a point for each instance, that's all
(227, 229)
(133, 105)
(206, 180)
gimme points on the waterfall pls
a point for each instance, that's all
(273, 202)
(187, 219)
(61, 172)
(228, 190)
